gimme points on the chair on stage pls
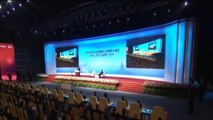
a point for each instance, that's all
(93, 74)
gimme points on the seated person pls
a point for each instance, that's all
(106, 96)
(124, 99)
(93, 74)
(95, 94)
(139, 102)
(101, 74)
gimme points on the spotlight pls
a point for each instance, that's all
(0, 6)
(154, 14)
(3, 16)
(63, 31)
(185, 3)
(19, 4)
(9, 1)
(127, 19)
(169, 10)
(110, 22)
(13, 9)
(8, 12)
(118, 20)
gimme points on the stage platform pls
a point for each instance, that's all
(125, 84)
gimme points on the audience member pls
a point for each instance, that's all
(9, 76)
(34, 114)
(123, 98)
(191, 97)
(202, 89)
(139, 102)
(106, 96)
(101, 73)
(83, 95)
(95, 94)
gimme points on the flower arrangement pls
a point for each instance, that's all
(87, 79)
(98, 83)
(41, 76)
(165, 89)
(90, 85)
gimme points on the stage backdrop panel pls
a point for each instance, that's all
(7, 61)
(155, 53)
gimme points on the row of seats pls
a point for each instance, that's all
(133, 111)
(3, 117)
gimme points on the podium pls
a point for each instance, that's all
(77, 73)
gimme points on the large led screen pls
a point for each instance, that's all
(155, 53)
(67, 57)
(7, 61)
(146, 52)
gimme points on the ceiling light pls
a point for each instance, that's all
(127, 19)
(0, 6)
(8, 12)
(9, 1)
(185, 3)
(20, 5)
(13, 9)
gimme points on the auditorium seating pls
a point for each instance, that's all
(158, 112)
(71, 99)
(121, 108)
(94, 101)
(134, 111)
(103, 104)
(17, 98)
(79, 98)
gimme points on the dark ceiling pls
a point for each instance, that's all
(50, 16)
(34, 12)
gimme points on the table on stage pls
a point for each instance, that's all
(77, 73)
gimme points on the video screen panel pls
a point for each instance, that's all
(7, 61)
(67, 56)
(146, 52)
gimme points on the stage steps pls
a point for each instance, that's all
(136, 87)
(50, 78)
